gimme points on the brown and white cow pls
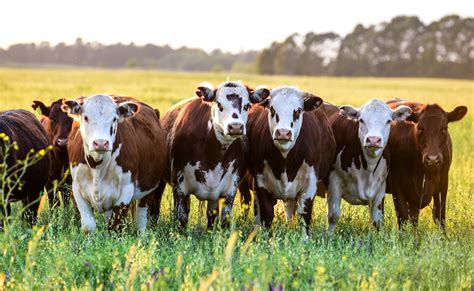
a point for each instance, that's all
(58, 125)
(360, 169)
(421, 153)
(22, 127)
(207, 147)
(291, 148)
(117, 154)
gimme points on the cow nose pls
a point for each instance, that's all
(373, 141)
(100, 145)
(60, 142)
(236, 128)
(431, 160)
(283, 134)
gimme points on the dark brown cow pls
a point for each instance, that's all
(206, 146)
(117, 154)
(58, 125)
(420, 154)
(291, 148)
(24, 129)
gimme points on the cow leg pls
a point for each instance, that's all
(305, 208)
(290, 207)
(141, 216)
(266, 204)
(156, 203)
(211, 212)
(245, 197)
(30, 213)
(413, 214)
(401, 209)
(87, 217)
(181, 207)
(375, 206)
(118, 214)
(439, 209)
(308, 213)
(334, 202)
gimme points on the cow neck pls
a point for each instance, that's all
(372, 162)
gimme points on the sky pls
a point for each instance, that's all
(229, 25)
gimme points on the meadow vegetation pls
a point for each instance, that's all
(55, 253)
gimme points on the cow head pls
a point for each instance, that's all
(286, 107)
(231, 102)
(431, 131)
(98, 116)
(374, 119)
(60, 123)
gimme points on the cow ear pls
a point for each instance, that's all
(265, 102)
(39, 107)
(127, 110)
(414, 117)
(259, 94)
(311, 102)
(457, 114)
(72, 107)
(206, 91)
(349, 112)
(401, 113)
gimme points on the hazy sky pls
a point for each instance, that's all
(229, 25)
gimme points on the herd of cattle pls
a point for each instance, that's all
(282, 143)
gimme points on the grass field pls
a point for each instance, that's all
(56, 254)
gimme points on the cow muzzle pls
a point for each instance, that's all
(282, 135)
(61, 142)
(373, 142)
(432, 160)
(235, 128)
(100, 145)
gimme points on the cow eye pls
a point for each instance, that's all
(388, 121)
(272, 111)
(115, 119)
(247, 106)
(86, 118)
(361, 121)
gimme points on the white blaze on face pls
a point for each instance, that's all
(285, 116)
(374, 118)
(230, 108)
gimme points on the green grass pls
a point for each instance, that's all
(57, 254)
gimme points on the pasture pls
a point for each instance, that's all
(56, 254)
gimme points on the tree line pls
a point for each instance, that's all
(402, 47)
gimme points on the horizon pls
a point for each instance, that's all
(199, 29)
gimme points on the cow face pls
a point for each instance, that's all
(230, 105)
(374, 119)
(98, 116)
(431, 131)
(60, 123)
(286, 107)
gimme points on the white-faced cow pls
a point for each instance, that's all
(207, 147)
(291, 149)
(361, 166)
(22, 127)
(117, 154)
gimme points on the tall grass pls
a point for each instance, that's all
(56, 254)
